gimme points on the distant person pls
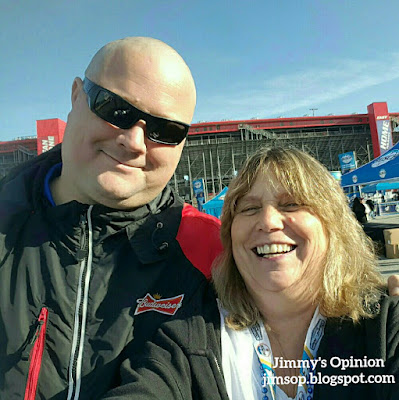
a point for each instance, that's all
(371, 205)
(359, 210)
(367, 209)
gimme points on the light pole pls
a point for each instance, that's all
(313, 110)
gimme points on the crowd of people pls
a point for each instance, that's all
(113, 288)
(365, 209)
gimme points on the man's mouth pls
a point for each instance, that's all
(272, 250)
(127, 164)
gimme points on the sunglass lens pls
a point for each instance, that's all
(113, 109)
(175, 131)
(168, 132)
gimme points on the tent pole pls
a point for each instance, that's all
(213, 177)
(206, 180)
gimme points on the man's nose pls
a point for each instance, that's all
(270, 219)
(133, 139)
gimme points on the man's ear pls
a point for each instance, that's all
(76, 88)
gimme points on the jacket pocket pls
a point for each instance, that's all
(34, 353)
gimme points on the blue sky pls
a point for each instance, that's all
(261, 58)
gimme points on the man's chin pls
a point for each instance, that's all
(117, 193)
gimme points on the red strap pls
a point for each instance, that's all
(36, 356)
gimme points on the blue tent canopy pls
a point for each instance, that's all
(380, 186)
(214, 206)
(384, 168)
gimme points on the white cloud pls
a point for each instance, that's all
(303, 89)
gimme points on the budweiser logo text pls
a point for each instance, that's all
(165, 306)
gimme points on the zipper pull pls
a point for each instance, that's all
(28, 348)
(82, 251)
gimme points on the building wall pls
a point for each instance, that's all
(216, 158)
(15, 152)
(215, 151)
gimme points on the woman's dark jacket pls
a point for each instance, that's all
(183, 361)
(82, 288)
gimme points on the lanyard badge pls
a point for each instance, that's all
(264, 354)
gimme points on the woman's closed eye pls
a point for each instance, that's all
(249, 209)
(291, 206)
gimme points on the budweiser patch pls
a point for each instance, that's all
(164, 306)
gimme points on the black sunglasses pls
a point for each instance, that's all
(112, 108)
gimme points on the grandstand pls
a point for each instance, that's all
(16, 152)
(215, 151)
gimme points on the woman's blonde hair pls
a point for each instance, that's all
(351, 283)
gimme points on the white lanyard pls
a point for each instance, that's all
(262, 347)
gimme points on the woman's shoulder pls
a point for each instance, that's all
(385, 322)
(390, 302)
(388, 314)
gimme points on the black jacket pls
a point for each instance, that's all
(359, 210)
(183, 361)
(83, 287)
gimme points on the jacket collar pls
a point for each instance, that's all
(154, 238)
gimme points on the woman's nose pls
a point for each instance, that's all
(270, 219)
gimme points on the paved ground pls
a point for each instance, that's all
(388, 266)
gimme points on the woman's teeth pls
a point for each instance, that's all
(267, 249)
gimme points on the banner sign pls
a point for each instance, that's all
(347, 161)
(380, 128)
(199, 192)
(384, 134)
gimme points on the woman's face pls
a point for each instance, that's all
(276, 242)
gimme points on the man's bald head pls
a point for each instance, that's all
(124, 168)
(146, 60)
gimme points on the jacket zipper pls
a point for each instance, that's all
(36, 347)
(84, 255)
(217, 364)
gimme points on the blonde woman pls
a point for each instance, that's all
(302, 311)
(298, 281)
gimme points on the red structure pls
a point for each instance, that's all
(376, 112)
(378, 121)
(278, 123)
(49, 133)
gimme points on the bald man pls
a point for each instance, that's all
(96, 251)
